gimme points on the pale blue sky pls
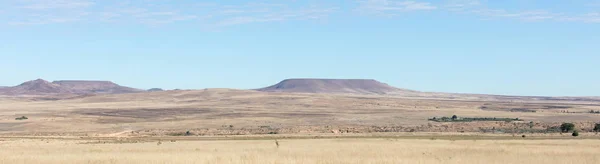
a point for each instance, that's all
(515, 47)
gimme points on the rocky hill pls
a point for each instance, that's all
(43, 87)
(97, 87)
(35, 87)
(155, 90)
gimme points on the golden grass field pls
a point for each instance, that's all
(359, 151)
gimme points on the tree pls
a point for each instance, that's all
(531, 124)
(575, 133)
(597, 127)
(454, 117)
(567, 127)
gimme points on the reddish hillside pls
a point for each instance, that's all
(356, 86)
(43, 87)
(100, 87)
(35, 87)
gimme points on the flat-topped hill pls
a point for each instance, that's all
(81, 86)
(356, 86)
(43, 87)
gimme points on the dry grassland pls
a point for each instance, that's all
(359, 151)
(217, 108)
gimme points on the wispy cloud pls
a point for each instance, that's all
(275, 14)
(37, 12)
(216, 15)
(56, 4)
(144, 16)
(587, 18)
(477, 8)
(157, 12)
(391, 7)
(461, 5)
(531, 15)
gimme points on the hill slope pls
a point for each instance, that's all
(100, 87)
(35, 87)
(355, 86)
(43, 87)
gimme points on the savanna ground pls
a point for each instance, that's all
(238, 126)
(359, 151)
(242, 112)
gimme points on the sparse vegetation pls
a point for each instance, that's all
(305, 151)
(471, 119)
(531, 124)
(21, 118)
(597, 127)
(567, 127)
(187, 133)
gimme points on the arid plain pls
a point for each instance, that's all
(258, 126)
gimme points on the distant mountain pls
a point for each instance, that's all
(43, 87)
(98, 87)
(35, 87)
(155, 90)
(355, 86)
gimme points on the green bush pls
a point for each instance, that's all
(454, 117)
(21, 118)
(567, 127)
(575, 133)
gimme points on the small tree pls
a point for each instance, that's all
(531, 124)
(597, 127)
(454, 117)
(575, 133)
(567, 127)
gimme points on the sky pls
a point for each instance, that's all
(509, 47)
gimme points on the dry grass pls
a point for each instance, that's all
(214, 108)
(408, 151)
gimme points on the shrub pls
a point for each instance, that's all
(454, 117)
(523, 136)
(597, 127)
(567, 127)
(575, 133)
(21, 118)
(531, 124)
